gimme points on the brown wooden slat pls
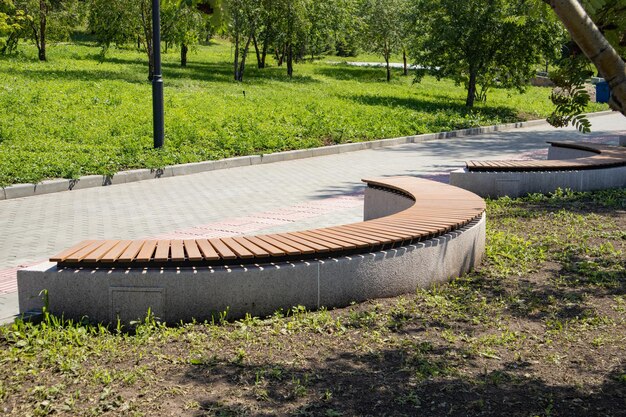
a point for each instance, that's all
(351, 240)
(61, 256)
(224, 251)
(360, 238)
(96, 255)
(331, 246)
(237, 248)
(191, 248)
(257, 251)
(283, 247)
(131, 251)
(299, 246)
(271, 249)
(162, 253)
(177, 248)
(81, 254)
(209, 250)
(147, 250)
(319, 246)
(383, 237)
(340, 244)
(116, 251)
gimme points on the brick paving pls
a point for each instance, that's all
(291, 195)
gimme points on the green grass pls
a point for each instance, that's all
(75, 115)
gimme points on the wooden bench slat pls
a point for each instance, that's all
(131, 251)
(290, 242)
(147, 250)
(269, 248)
(116, 251)
(84, 252)
(96, 255)
(341, 244)
(320, 247)
(330, 246)
(191, 249)
(392, 237)
(162, 252)
(360, 242)
(61, 256)
(256, 250)
(223, 250)
(285, 248)
(362, 238)
(237, 248)
(177, 248)
(212, 249)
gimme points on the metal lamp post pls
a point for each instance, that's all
(157, 78)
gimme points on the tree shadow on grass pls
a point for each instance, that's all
(432, 105)
(353, 73)
(398, 382)
(136, 71)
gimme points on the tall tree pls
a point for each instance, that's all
(481, 43)
(49, 20)
(383, 23)
(596, 47)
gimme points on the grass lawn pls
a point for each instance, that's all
(75, 115)
(538, 330)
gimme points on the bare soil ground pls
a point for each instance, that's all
(538, 330)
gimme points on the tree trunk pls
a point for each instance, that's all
(183, 54)
(388, 69)
(406, 67)
(590, 40)
(266, 45)
(236, 63)
(43, 15)
(290, 60)
(259, 62)
(244, 54)
(471, 89)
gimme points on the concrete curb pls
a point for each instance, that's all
(125, 177)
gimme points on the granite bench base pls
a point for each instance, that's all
(175, 294)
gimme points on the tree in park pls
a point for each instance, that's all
(48, 20)
(244, 19)
(13, 26)
(182, 24)
(595, 46)
(481, 43)
(384, 24)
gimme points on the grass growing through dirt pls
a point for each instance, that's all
(76, 115)
(538, 330)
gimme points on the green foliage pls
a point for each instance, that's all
(482, 43)
(384, 21)
(570, 95)
(77, 115)
(13, 25)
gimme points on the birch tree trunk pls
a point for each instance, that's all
(593, 44)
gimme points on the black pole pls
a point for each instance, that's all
(157, 78)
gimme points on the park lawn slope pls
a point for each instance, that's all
(76, 114)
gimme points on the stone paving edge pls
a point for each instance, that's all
(124, 177)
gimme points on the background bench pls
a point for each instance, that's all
(415, 232)
(577, 166)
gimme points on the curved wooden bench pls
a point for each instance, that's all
(604, 156)
(573, 165)
(415, 233)
(437, 209)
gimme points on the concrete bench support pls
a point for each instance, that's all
(186, 293)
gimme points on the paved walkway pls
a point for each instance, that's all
(293, 195)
